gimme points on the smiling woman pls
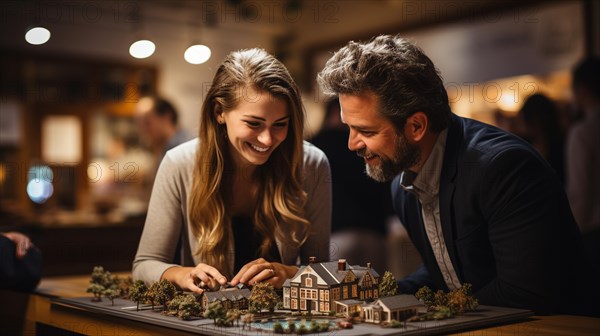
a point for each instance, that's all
(247, 198)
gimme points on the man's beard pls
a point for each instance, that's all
(405, 156)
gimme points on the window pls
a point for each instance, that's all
(302, 304)
(286, 303)
(336, 293)
(302, 293)
(326, 295)
(345, 296)
(321, 295)
(294, 292)
(314, 294)
(354, 291)
(326, 306)
(308, 282)
(294, 304)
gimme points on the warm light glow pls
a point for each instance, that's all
(62, 140)
(197, 54)
(37, 35)
(142, 49)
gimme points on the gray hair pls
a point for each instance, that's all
(397, 71)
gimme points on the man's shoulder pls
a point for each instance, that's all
(488, 141)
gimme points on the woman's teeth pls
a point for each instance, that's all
(260, 149)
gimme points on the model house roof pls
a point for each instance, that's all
(231, 294)
(331, 274)
(399, 301)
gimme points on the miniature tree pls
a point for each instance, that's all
(440, 298)
(111, 293)
(152, 294)
(263, 296)
(103, 283)
(425, 294)
(388, 285)
(188, 307)
(97, 290)
(277, 328)
(247, 319)
(125, 286)
(97, 283)
(234, 315)
(173, 306)
(461, 300)
(165, 292)
(137, 293)
(215, 311)
(442, 305)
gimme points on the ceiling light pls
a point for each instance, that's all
(37, 35)
(142, 49)
(197, 54)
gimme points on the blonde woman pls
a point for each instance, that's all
(248, 199)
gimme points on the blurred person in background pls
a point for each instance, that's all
(20, 262)
(361, 206)
(158, 126)
(583, 155)
(540, 126)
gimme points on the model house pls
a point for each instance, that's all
(317, 286)
(231, 298)
(397, 307)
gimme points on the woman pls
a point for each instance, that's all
(248, 197)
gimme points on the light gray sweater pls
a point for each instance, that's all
(167, 220)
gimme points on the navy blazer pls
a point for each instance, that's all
(506, 222)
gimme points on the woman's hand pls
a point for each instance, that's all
(261, 270)
(21, 242)
(195, 279)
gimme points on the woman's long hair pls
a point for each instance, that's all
(280, 197)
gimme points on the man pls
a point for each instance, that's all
(20, 262)
(158, 125)
(583, 153)
(480, 205)
(157, 121)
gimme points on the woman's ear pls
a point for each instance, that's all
(416, 126)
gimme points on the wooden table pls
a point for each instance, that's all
(34, 314)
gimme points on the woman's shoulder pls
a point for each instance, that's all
(314, 158)
(183, 152)
(312, 154)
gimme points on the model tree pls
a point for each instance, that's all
(263, 296)
(103, 283)
(233, 315)
(462, 299)
(137, 292)
(152, 294)
(111, 293)
(165, 292)
(188, 307)
(442, 305)
(125, 286)
(247, 319)
(215, 311)
(388, 285)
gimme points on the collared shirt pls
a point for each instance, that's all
(426, 185)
